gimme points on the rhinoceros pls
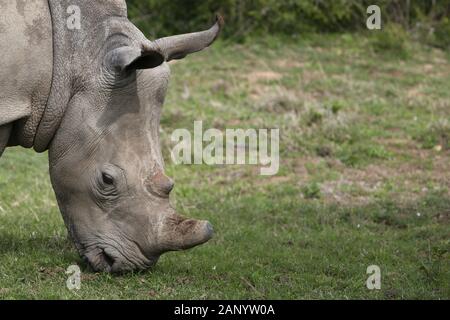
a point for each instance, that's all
(92, 97)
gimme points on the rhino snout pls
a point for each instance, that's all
(113, 253)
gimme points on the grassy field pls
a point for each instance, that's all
(364, 180)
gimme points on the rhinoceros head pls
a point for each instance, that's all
(105, 158)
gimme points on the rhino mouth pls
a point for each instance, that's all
(109, 259)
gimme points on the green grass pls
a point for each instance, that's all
(364, 179)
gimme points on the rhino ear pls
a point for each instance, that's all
(129, 58)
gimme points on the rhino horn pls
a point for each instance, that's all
(179, 46)
(179, 233)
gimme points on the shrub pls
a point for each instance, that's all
(442, 34)
(163, 17)
(392, 39)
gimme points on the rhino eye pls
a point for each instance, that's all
(107, 179)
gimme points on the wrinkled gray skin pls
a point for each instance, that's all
(93, 98)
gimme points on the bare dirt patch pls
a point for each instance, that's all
(288, 64)
(263, 76)
(415, 92)
(408, 180)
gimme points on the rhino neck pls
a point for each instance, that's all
(60, 91)
(69, 56)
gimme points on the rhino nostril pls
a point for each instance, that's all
(108, 259)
